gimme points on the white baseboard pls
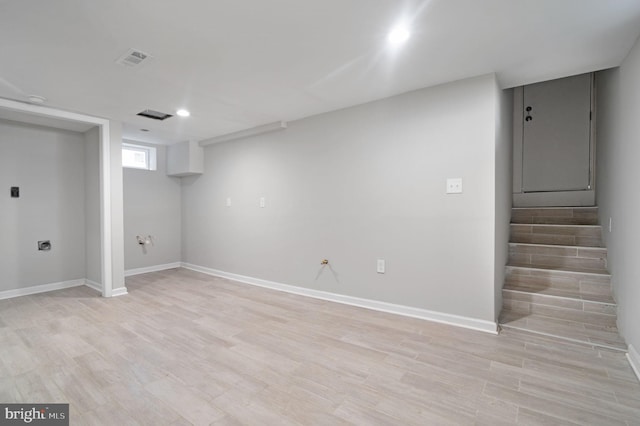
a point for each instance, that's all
(408, 311)
(634, 359)
(98, 287)
(93, 285)
(8, 294)
(154, 268)
(119, 292)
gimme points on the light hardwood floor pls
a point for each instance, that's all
(187, 348)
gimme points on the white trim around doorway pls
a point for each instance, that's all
(105, 176)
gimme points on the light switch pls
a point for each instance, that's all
(262, 202)
(228, 201)
(380, 266)
(454, 186)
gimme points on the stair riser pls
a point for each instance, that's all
(597, 314)
(566, 216)
(540, 323)
(545, 220)
(575, 282)
(605, 338)
(580, 231)
(557, 235)
(524, 308)
(542, 261)
(561, 240)
(566, 257)
(591, 253)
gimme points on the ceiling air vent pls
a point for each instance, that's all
(133, 58)
(156, 115)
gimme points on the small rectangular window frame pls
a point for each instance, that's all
(150, 151)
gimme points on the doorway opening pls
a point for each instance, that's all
(93, 127)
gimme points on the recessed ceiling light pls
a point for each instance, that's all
(398, 35)
(183, 113)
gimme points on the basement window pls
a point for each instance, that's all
(138, 157)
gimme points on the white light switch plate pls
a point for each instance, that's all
(228, 202)
(262, 202)
(454, 186)
(381, 266)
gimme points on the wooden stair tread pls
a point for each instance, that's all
(553, 221)
(554, 207)
(549, 222)
(567, 294)
(603, 272)
(588, 334)
(559, 225)
(557, 208)
(557, 246)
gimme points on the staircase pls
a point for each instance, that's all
(557, 283)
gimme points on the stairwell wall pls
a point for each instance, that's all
(618, 174)
(504, 188)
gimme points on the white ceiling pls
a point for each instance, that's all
(237, 64)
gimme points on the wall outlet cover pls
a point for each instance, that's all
(454, 186)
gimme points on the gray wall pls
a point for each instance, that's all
(618, 174)
(504, 188)
(48, 165)
(152, 206)
(359, 184)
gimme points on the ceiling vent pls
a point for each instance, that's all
(156, 115)
(133, 58)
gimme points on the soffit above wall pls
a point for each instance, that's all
(38, 120)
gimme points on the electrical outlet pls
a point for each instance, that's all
(381, 266)
(15, 192)
(454, 186)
